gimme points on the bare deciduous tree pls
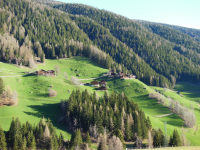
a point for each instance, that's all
(65, 75)
(115, 143)
(93, 130)
(57, 69)
(75, 80)
(52, 93)
(150, 140)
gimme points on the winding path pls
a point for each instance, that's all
(164, 115)
(12, 76)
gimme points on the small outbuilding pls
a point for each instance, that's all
(45, 73)
(103, 83)
(103, 88)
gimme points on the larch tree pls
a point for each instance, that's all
(115, 143)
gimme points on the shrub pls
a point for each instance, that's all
(52, 93)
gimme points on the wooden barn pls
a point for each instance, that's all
(45, 73)
(128, 77)
(95, 84)
(103, 88)
(103, 83)
(112, 74)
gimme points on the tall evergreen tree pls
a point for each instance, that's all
(1, 85)
(176, 138)
(88, 140)
(76, 139)
(3, 143)
(60, 141)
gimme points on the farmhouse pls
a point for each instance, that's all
(45, 73)
(112, 74)
(95, 84)
(128, 77)
(120, 74)
(103, 83)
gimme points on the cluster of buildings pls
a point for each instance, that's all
(121, 75)
(101, 85)
(45, 73)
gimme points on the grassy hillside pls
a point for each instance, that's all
(138, 92)
(192, 134)
(34, 102)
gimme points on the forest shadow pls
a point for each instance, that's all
(51, 111)
(192, 95)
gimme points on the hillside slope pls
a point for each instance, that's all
(34, 102)
(164, 55)
(111, 40)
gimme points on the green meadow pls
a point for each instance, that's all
(34, 102)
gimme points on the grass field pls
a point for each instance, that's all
(34, 102)
(138, 92)
(179, 148)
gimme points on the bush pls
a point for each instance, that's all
(52, 93)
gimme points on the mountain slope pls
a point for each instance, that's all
(161, 54)
(111, 40)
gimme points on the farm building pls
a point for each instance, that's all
(103, 83)
(112, 74)
(120, 74)
(45, 73)
(128, 77)
(95, 84)
(102, 88)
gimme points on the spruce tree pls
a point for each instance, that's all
(11, 132)
(148, 123)
(76, 139)
(60, 141)
(171, 140)
(24, 143)
(33, 144)
(54, 142)
(176, 138)
(15, 144)
(127, 130)
(29, 139)
(1, 85)
(156, 140)
(2, 140)
(88, 140)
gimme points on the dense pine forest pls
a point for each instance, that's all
(28, 136)
(112, 116)
(174, 56)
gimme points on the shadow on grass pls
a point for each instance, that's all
(192, 96)
(51, 111)
(45, 95)
(85, 59)
(28, 75)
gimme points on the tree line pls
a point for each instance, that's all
(28, 136)
(109, 117)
